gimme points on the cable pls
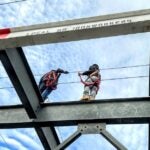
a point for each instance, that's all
(12, 2)
(125, 67)
(8, 87)
(135, 66)
(4, 140)
(80, 82)
(106, 79)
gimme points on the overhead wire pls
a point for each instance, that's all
(107, 79)
(72, 82)
(16, 1)
(4, 140)
(113, 68)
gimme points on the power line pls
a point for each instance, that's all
(8, 87)
(114, 68)
(124, 67)
(12, 2)
(72, 82)
(4, 140)
(107, 79)
(135, 66)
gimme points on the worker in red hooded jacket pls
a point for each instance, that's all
(49, 82)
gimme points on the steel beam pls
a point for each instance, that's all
(112, 140)
(68, 141)
(16, 116)
(91, 129)
(21, 76)
(79, 29)
(100, 128)
(112, 111)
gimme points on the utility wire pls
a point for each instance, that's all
(124, 67)
(4, 140)
(107, 79)
(12, 2)
(135, 66)
(80, 81)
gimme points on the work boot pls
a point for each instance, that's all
(46, 100)
(85, 97)
(91, 98)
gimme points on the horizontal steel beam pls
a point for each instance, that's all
(78, 29)
(113, 111)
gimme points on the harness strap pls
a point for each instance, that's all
(96, 83)
(50, 79)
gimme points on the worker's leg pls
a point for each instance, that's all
(86, 93)
(93, 89)
(46, 92)
(42, 87)
(93, 92)
(86, 90)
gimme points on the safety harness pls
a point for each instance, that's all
(50, 79)
(94, 83)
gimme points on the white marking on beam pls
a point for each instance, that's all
(82, 26)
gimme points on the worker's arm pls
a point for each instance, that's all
(62, 71)
(85, 72)
(94, 73)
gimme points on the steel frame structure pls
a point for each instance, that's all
(44, 117)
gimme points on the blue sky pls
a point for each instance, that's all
(72, 56)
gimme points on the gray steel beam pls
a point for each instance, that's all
(68, 141)
(21, 76)
(79, 29)
(112, 140)
(100, 128)
(15, 115)
(112, 111)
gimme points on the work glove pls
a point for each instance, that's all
(66, 72)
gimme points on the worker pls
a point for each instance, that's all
(91, 84)
(49, 82)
